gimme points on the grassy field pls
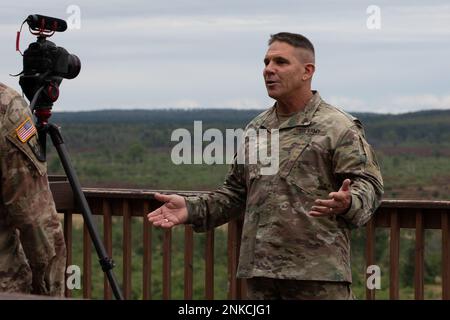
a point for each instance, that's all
(405, 176)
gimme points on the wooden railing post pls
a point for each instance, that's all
(233, 256)
(445, 254)
(126, 249)
(394, 256)
(188, 262)
(209, 265)
(147, 257)
(370, 255)
(167, 256)
(107, 238)
(419, 257)
(68, 240)
(87, 263)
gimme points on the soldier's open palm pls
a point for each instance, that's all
(173, 212)
(338, 202)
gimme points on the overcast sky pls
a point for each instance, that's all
(209, 54)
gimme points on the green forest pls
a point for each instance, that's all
(131, 149)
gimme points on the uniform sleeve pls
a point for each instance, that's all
(227, 202)
(29, 205)
(355, 159)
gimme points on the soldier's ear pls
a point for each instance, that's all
(310, 68)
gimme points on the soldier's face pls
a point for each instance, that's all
(284, 71)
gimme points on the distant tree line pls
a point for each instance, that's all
(153, 128)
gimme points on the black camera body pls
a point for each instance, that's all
(44, 56)
(45, 64)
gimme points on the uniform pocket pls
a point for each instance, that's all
(311, 172)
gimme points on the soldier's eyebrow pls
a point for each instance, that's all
(277, 59)
(281, 59)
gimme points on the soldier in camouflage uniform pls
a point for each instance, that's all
(296, 234)
(32, 248)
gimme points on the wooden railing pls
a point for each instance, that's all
(418, 215)
(135, 204)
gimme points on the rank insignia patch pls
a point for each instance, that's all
(26, 130)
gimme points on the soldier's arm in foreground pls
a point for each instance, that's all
(30, 208)
(355, 164)
(206, 211)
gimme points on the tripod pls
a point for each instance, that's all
(44, 128)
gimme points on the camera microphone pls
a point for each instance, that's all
(38, 22)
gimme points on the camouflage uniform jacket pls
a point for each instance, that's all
(32, 248)
(319, 148)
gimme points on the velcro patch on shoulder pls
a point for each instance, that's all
(26, 130)
(35, 146)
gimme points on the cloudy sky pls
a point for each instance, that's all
(209, 54)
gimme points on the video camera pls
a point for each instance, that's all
(45, 64)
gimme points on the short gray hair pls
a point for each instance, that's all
(294, 39)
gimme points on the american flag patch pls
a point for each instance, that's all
(26, 130)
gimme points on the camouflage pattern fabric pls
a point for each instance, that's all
(276, 289)
(32, 248)
(320, 147)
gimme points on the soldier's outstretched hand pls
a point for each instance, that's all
(338, 202)
(173, 212)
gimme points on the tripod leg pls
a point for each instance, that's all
(106, 262)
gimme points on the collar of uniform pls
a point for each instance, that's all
(302, 118)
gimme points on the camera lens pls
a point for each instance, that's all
(74, 67)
